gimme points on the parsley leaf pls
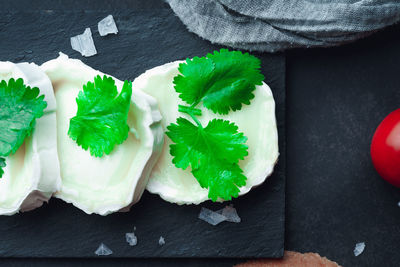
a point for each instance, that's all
(20, 106)
(212, 152)
(101, 120)
(222, 81)
(2, 165)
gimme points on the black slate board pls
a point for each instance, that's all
(147, 38)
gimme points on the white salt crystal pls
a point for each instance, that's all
(359, 249)
(131, 239)
(161, 242)
(398, 203)
(103, 250)
(83, 43)
(107, 26)
(230, 213)
(211, 217)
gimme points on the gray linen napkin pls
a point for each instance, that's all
(273, 25)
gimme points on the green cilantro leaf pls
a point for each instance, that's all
(20, 106)
(101, 120)
(2, 165)
(212, 152)
(222, 81)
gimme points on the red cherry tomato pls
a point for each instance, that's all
(385, 148)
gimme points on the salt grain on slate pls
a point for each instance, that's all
(398, 203)
(103, 250)
(230, 214)
(359, 249)
(107, 26)
(161, 242)
(211, 217)
(131, 239)
(83, 43)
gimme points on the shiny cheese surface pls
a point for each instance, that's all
(32, 173)
(101, 184)
(257, 121)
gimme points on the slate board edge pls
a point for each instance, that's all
(182, 255)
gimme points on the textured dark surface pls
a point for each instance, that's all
(335, 100)
(147, 38)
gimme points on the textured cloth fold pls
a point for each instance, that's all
(274, 25)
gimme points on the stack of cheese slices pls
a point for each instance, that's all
(50, 164)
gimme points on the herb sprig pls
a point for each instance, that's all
(222, 81)
(20, 106)
(101, 120)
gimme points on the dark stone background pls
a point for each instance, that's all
(148, 37)
(336, 97)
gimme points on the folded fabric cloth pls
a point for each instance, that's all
(274, 25)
